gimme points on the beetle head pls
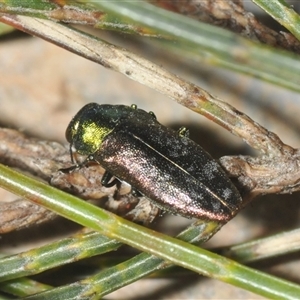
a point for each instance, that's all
(91, 125)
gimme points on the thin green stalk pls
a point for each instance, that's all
(56, 254)
(199, 40)
(116, 277)
(151, 75)
(218, 45)
(271, 246)
(283, 13)
(23, 287)
(127, 272)
(70, 12)
(144, 264)
(168, 248)
(82, 246)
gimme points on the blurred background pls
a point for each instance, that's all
(43, 86)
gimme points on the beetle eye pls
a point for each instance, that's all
(68, 135)
(71, 131)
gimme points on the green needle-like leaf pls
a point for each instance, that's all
(272, 246)
(23, 287)
(217, 45)
(191, 38)
(282, 13)
(50, 256)
(167, 248)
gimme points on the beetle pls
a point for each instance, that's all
(164, 165)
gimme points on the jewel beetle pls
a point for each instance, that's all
(164, 165)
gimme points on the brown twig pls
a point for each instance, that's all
(231, 15)
(254, 176)
(45, 159)
(277, 171)
(152, 75)
(71, 12)
(59, 12)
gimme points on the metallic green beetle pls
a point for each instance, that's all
(162, 164)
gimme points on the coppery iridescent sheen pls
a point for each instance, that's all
(169, 168)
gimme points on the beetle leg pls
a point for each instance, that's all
(76, 166)
(183, 132)
(69, 169)
(106, 180)
(136, 193)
